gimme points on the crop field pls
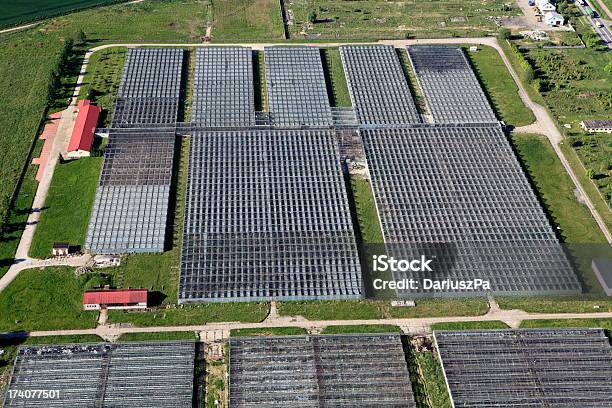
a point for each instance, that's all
(246, 20)
(19, 12)
(576, 86)
(369, 19)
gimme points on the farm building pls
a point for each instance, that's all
(603, 271)
(554, 19)
(82, 137)
(60, 249)
(597, 126)
(115, 299)
(545, 6)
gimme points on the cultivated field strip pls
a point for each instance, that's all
(452, 91)
(295, 84)
(377, 85)
(128, 375)
(223, 87)
(569, 368)
(267, 217)
(149, 92)
(459, 195)
(319, 371)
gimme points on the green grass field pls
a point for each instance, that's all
(65, 215)
(246, 20)
(375, 19)
(337, 87)
(556, 190)
(499, 86)
(101, 81)
(196, 314)
(48, 299)
(364, 328)
(268, 331)
(590, 323)
(160, 336)
(367, 215)
(556, 304)
(10, 236)
(20, 12)
(495, 324)
(370, 309)
(433, 379)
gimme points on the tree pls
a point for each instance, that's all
(80, 37)
(312, 17)
(504, 34)
(590, 173)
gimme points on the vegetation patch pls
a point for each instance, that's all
(372, 309)
(337, 87)
(433, 379)
(194, 314)
(485, 325)
(376, 19)
(561, 323)
(499, 86)
(365, 206)
(216, 389)
(47, 299)
(102, 79)
(65, 216)
(246, 20)
(268, 331)
(362, 328)
(159, 336)
(556, 304)
(19, 12)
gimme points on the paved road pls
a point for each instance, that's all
(605, 8)
(603, 31)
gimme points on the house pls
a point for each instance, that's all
(60, 249)
(83, 133)
(115, 299)
(554, 19)
(597, 126)
(545, 6)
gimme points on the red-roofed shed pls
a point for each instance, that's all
(84, 130)
(115, 299)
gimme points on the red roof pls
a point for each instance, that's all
(119, 296)
(85, 127)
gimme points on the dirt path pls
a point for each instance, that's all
(21, 27)
(512, 318)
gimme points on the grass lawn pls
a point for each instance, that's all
(556, 304)
(65, 215)
(589, 323)
(363, 328)
(166, 336)
(268, 331)
(495, 324)
(337, 88)
(246, 20)
(101, 81)
(556, 190)
(433, 379)
(499, 86)
(367, 215)
(370, 309)
(375, 19)
(48, 299)
(194, 315)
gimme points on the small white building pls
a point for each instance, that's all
(547, 8)
(554, 19)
